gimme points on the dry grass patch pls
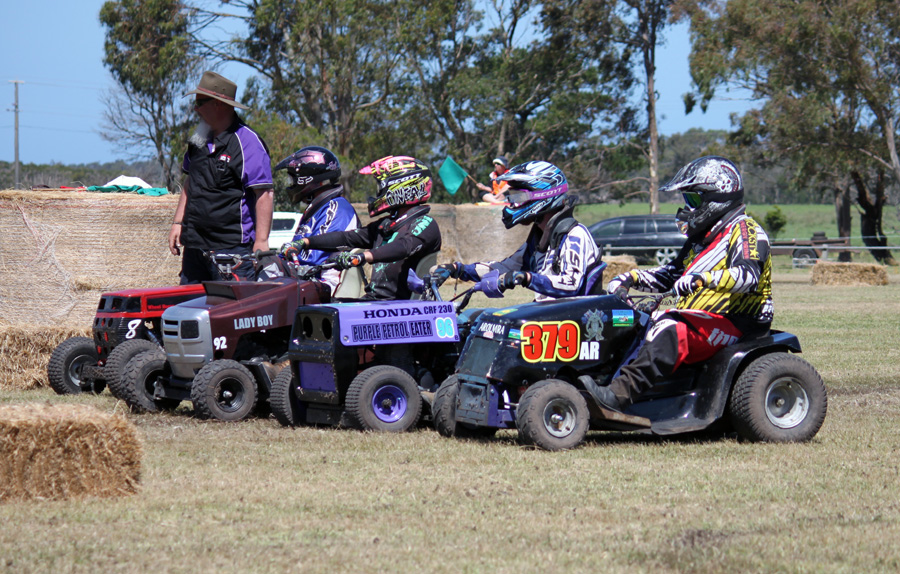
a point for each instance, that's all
(60, 452)
(25, 351)
(825, 273)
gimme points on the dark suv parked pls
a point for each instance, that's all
(649, 238)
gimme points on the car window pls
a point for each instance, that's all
(283, 224)
(607, 229)
(666, 226)
(634, 226)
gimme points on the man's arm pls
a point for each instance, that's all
(265, 204)
(175, 231)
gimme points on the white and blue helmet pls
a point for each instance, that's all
(536, 188)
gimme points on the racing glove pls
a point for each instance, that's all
(291, 250)
(620, 284)
(510, 279)
(346, 260)
(687, 284)
(445, 271)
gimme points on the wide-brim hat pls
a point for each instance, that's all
(218, 87)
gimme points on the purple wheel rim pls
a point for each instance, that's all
(389, 403)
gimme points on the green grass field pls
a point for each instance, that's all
(255, 497)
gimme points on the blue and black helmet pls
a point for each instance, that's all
(310, 168)
(536, 188)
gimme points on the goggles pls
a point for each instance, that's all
(692, 199)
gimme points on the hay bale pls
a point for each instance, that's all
(618, 264)
(826, 273)
(25, 351)
(61, 452)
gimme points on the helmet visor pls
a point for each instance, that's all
(692, 199)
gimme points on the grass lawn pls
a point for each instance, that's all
(255, 497)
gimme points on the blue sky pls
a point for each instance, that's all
(56, 49)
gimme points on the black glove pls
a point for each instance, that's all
(445, 271)
(291, 250)
(512, 278)
(346, 260)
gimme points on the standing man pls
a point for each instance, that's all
(496, 193)
(227, 202)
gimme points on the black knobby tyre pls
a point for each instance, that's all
(552, 415)
(778, 398)
(225, 390)
(444, 411)
(118, 358)
(384, 398)
(287, 408)
(138, 380)
(66, 363)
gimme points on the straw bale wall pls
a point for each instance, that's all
(25, 351)
(60, 452)
(825, 273)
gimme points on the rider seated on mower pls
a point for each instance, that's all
(315, 174)
(559, 258)
(722, 275)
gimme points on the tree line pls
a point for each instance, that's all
(568, 81)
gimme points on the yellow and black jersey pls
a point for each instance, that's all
(736, 265)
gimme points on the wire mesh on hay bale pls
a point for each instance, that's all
(824, 273)
(60, 250)
(66, 451)
(25, 351)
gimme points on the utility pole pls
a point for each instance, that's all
(16, 110)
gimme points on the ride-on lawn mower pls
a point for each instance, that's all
(531, 368)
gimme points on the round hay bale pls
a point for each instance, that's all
(60, 452)
(827, 273)
(25, 351)
(618, 264)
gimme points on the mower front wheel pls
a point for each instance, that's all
(444, 409)
(384, 398)
(224, 390)
(778, 398)
(289, 410)
(64, 371)
(118, 359)
(139, 381)
(552, 415)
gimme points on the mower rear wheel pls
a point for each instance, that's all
(118, 359)
(139, 379)
(224, 390)
(552, 415)
(289, 410)
(444, 410)
(384, 398)
(778, 398)
(64, 371)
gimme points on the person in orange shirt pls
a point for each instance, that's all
(497, 192)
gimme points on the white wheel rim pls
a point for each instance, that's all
(559, 418)
(787, 403)
(663, 256)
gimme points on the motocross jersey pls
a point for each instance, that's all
(397, 243)
(736, 265)
(557, 260)
(328, 211)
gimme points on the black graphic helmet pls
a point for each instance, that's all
(310, 168)
(711, 187)
(402, 180)
(536, 188)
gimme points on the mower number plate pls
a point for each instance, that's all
(474, 404)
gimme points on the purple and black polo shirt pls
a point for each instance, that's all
(224, 177)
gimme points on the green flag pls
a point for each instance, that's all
(452, 174)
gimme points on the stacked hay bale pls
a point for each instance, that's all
(25, 350)
(826, 273)
(618, 264)
(66, 451)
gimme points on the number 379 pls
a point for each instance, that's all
(550, 341)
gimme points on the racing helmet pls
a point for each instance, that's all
(402, 180)
(536, 188)
(712, 187)
(310, 168)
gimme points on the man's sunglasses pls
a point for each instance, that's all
(692, 199)
(200, 102)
